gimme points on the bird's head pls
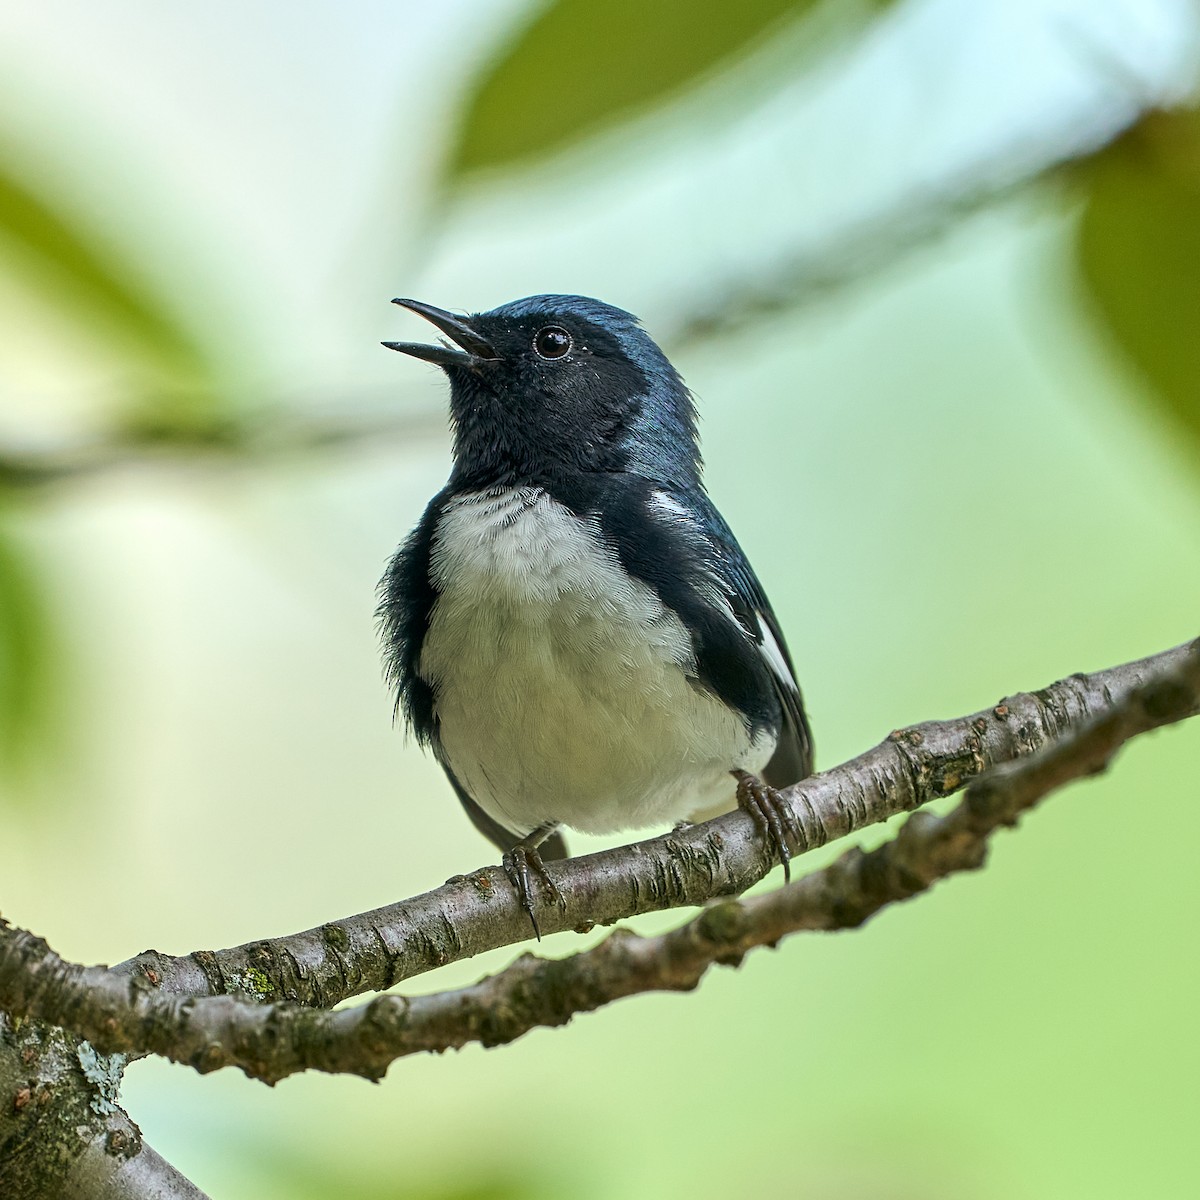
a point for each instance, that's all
(553, 385)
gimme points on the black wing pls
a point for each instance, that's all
(675, 541)
(406, 598)
(793, 757)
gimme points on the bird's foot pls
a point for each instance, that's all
(523, 864)
(771, 813)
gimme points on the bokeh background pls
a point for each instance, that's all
(933, 270)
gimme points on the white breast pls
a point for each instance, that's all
(561, 685)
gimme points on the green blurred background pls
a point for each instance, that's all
(933, 271)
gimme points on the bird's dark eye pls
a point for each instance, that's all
(552, 342)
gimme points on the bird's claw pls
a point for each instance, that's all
(772, 814)
(522, 864)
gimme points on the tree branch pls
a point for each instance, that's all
(274, 431)
(125, 1012)
(862, 248)
(62, 1133)
(471, 914)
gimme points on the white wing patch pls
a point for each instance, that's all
(769, 646)
(668, 506)
(710, 584)
(771, 651)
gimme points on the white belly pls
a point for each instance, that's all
(561, 685)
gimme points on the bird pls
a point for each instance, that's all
(571, 628)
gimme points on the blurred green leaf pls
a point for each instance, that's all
(580, 66)
(86, 280)
(70, 265)
(319, 1181)
(25, 658)
(1138, 252)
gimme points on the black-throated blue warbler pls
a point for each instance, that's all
(572, 627)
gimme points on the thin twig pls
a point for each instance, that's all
(275, 433)
(789, 282)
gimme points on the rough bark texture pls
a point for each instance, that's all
(128, 1012)
(62, 1134)
(376, 950)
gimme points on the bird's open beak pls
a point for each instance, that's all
(474, 349)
